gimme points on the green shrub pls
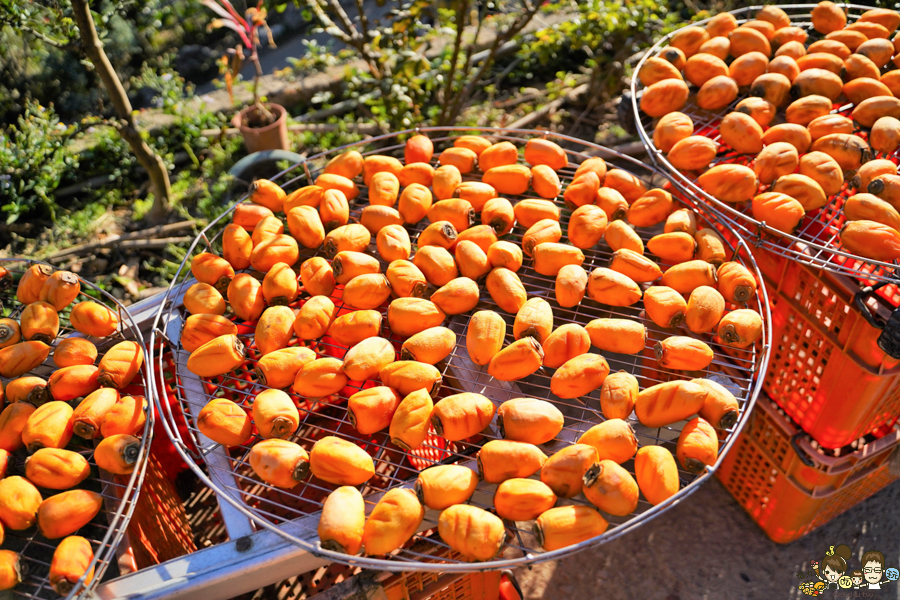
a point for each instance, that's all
(602, 35)
(33, 161)
(45, 68)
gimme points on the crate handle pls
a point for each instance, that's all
(829, 490)
(862, 474)
(801, 453)
(508, 575)
(889, 340)
(859, 298)
(890, 463)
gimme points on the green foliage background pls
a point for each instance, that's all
(54, 133)
(48, 67)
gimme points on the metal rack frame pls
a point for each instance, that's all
(118, 510)
(816, 242)
(238, 515)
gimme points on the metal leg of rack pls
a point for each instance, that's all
(222, 571)
(237, 524)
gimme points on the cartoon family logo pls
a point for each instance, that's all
(833, 573)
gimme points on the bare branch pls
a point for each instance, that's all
(353, 38)
(363, 20)
(471, 48)
(342, 15)
(512, 65)
(327, 23)
(44, 38)
(118, 239)
(520, 23)
(152, 163)
(259, 73)
(461, 9)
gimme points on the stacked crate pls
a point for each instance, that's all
(830, 386)
(825, 435)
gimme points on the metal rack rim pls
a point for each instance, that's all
(739, 219)
(393, 565)
(119, 520)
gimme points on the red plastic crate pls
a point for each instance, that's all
(159, 530)
(486, 585)
(449, 586)
(826, 369)
(787, 487)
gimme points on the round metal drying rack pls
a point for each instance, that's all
(120, 493)
(293, 514)
(816, 242)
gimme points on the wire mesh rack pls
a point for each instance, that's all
(294, 513)
(120, 492)
(816, 241)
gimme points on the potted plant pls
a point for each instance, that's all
(262, 125)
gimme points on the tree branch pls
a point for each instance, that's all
(117, 240)
(153, 164)
(352, 38)
(327, 23)
(254, 58)
(44, 38)
(363, 20)
(468, 64)
(342, 15)
(520, 23)
(495, 81)
(461, 9)
(548, 108)
(363, 45)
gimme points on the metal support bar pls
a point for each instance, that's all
(237, 524)
(222, 571)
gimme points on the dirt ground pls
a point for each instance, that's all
(708, 548)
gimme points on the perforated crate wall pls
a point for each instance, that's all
(776, 499)
(159, 530)
(851, 495)
(826, 370)
(474, 586)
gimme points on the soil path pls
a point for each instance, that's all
(708, 548)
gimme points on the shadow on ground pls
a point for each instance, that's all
(708, 548)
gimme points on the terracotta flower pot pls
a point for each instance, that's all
(270, 137)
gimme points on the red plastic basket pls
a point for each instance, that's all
(788, 487)
(409, 585)
(159, 530)
(450, 586)
(826, 369)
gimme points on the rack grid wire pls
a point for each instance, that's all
(293, 513)
(119, 492)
